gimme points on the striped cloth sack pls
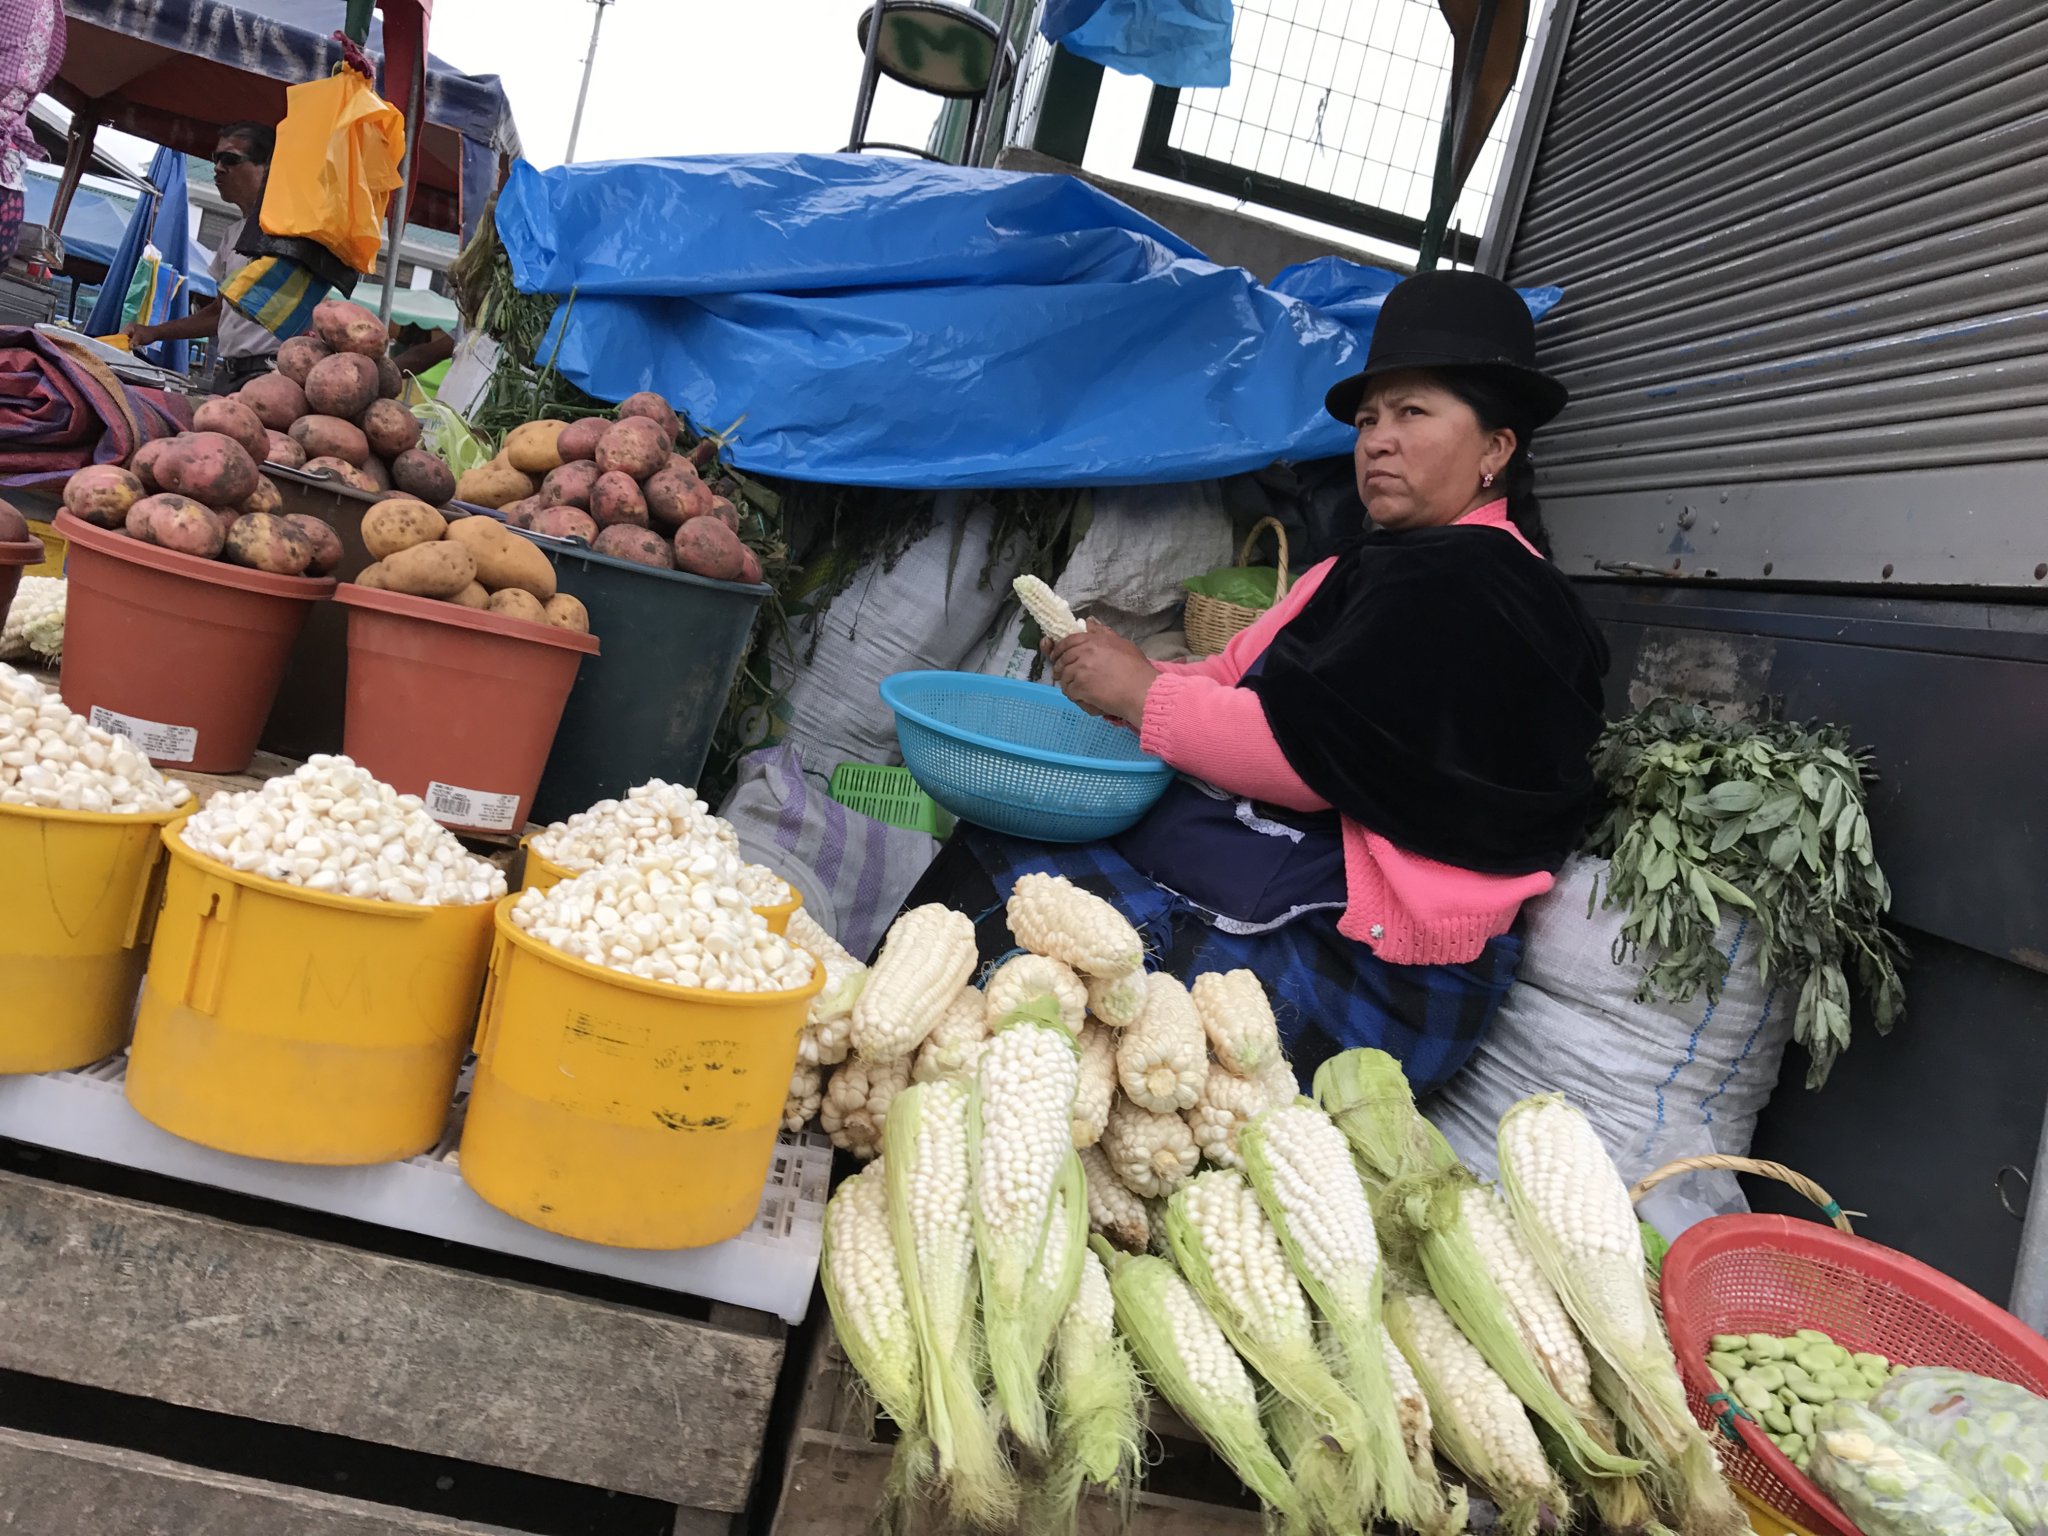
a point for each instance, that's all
(277, 293)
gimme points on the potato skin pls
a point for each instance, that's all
(277, 399)
(440, 569)
(101, 494)
(565, 523)
(513, 603)
(188, 528)
(635, 446)
(373, 577)
(642, 546)
(342, 385)
(390, 381)
(329, 437)
(706, 547)
(236, 419)
(340, 469)
(579, 439)
(571, 484)
(209, 467)
(651, 407)
(750, 572)
(616, 498)
(265, 498)
(295, 359)
(398, 524)
(472, 596)
(321, 536)
(531, 447)
(493, 484)
(348, 327)
(423, 475)
(521, 513)
(503, 559)
(390, 427)
(566, 612)
(676, 494)
(284, 451)
(265, 542)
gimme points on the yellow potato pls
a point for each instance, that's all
(493, 485)
(566, 612)
(534, 449)
(515, 604)
(472, 596)
(503, 559)
(440, 569)
(374, 577)
(400, 523)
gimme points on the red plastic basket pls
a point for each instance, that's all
(1773, 1274)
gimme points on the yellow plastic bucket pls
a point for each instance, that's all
(1764, 1520)
(620, 1111)
(541, 872)
(77, 894)
(54, 546)
(298, 1026)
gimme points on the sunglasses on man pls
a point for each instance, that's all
(228, 159)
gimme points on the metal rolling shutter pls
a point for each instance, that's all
(1804, 248)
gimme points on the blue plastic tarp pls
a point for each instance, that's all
(93, 226)
(1169, 42)
(900, 323)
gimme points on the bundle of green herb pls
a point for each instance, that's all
(1766, 817)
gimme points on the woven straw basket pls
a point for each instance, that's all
(1210, 623)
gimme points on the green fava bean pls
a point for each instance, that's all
(1727, 1363)
(1729, 1343)
(1777, 1421)
(1812, 1336)
(1802, 1419)
(1814, 1392)
(1770, 1377)
(1762, 1346)
(1814, 1360)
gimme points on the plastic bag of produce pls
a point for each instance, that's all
(1889, 1485)
(1992, 1432)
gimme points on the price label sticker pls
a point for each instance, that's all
(155, 740)
(456, 806)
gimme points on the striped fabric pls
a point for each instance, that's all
(275, 292)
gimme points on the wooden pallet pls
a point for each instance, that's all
(840, 1449)
(125, 1295)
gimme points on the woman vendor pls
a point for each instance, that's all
(1378, 773)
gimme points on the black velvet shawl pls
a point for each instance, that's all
(1442, 688)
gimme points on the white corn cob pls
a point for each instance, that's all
(828, 1030)
(953, 1048)
(926, 958)
(1113, 1210)
(1055, 619)
(870, 1311)
(1026, 979)
(1480, 1424)
(1163, 1059)
(1021, 1121)
(1097, 1085)
(1228, 1104)
(1409, 1402)
(806, 1097)
(1546, 1328)
(1117, 1000)
(857, 1102)
(1279, 1082)
(1050, 915)
(1152, 1154)
(1238, 1020)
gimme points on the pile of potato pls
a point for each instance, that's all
(331, 408)
(621, 487)
(473, 561)
(200, 493)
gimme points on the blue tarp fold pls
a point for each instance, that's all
(900, 323)
(1169, 42)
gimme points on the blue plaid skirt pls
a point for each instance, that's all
(1329, 993)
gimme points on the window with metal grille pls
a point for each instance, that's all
(1333, 113)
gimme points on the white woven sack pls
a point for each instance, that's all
(1658, 1080)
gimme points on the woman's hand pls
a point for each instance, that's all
(1103, 673)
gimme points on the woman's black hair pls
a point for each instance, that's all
(1498, 404)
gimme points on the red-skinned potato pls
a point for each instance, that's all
(726, 513)
(521, 513)
(634, 446)
(676, 495)
(295, 359)
(101, 494)
(340, 469)
(390, 427)
(423, 476)
(209, 467)
(329, 437)
(236, 419)
(143, 462)
(390, 381)
(650, 406)
(565, 523)
(706, 547)
(138, 524)
(13, 526)
(376, 469)
(570, 485)
(750, 572)
(277, 400)
(321, 536)
(176, 522)
(616, 499)
(284, 451)
(265, 542)
(579, 439)
(349, 327)
(342, 385)
(642, 546)
(265, 498)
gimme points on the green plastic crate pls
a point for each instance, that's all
(890, 795)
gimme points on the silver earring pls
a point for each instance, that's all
(1486, 480)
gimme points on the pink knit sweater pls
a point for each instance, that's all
(1409, 910)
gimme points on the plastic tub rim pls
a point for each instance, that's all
(524, 940)
(1147, 767)
(561, 872)
(435, 610)
(104, 541)
(163, 819)
(364, 905)
(29, 551)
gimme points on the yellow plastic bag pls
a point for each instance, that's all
(335, 167)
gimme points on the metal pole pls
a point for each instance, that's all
(590, 58)
(402, 203)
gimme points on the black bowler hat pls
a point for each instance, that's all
(1463, 321)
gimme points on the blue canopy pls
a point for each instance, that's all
(163, 221)
(1172, 42)
(95, 224)
(901, 323)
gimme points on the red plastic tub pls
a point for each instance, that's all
(15, 555)
(456, 706)
(182, 655)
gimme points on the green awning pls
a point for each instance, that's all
(411, 306)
